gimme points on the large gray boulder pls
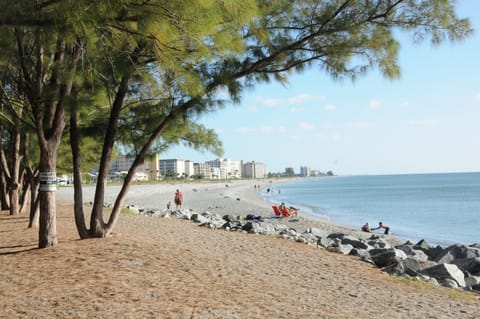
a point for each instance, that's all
(470, 265)
(472, 281)
(355, 242)
(318, 232)
(411, 251)
(453, 252)
(430, 251)
(445, 272)
(409, 266)
(383, 257)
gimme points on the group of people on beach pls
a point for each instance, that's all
(366, 228)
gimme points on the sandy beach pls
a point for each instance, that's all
(154, 267)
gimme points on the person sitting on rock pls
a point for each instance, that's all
(366, 228)
(382, 225)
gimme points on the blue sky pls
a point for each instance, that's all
(426, 121)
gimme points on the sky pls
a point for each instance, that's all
(427, 121)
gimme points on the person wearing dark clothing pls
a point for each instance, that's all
(383, 226)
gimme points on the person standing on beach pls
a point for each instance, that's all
(178, 199)
(382, 225)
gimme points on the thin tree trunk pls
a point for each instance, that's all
(14, 187)
(3, 192)
(97, 224)
(32, 179)
(77, 176)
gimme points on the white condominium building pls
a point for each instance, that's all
(254, 170)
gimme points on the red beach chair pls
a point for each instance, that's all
(276, 210)
(287, 212)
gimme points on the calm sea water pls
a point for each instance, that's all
(441, 208)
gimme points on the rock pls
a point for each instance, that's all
(377, 243)
(336, 236)
(408, 266)
(410, 251)
(470, 265)
(362, 253)
(443, 272)
(318, 232)
(384, 257)
(289, 233)
(229, 218)
(133, 209)
(232, 225)
(355, 242)
(450, 283)
(339, 248)
(472, 281)
(431, 252)
(453, 252)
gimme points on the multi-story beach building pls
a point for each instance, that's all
(148, 170)
(289, 171)
(202, 169)
(172, 167)
(226, 168)
(304, 171)
(254, 170)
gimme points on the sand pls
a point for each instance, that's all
(153, 267)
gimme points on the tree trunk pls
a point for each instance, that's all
(3, 192)
(77, 176)
(32, 180)
(14, 186)
(48, 214)
(48, 220)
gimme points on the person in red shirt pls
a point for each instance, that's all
(178, 199)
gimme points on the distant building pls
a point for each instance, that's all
(254, 170)
(148, 170)
(304, 171)
(289, 171)
(202, 169)
(189, 169)
(172, 167)
(225, 168)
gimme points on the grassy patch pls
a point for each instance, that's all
(427, 286)
(465, 295)
(126, 211)
(424, 285)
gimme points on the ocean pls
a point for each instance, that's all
(443, 208)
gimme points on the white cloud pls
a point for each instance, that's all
(270, 102)
(252, 108)
(305, 97)
(296, 109)
(263, 129)
(477, 97)
(358, 124)
(374, 104)
(298, 99)
(404, 104)
(273, 129)
(330, 107)
(306, 126)
(246, 130)
(425, 122)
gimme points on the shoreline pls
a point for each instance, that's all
(237, 198)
